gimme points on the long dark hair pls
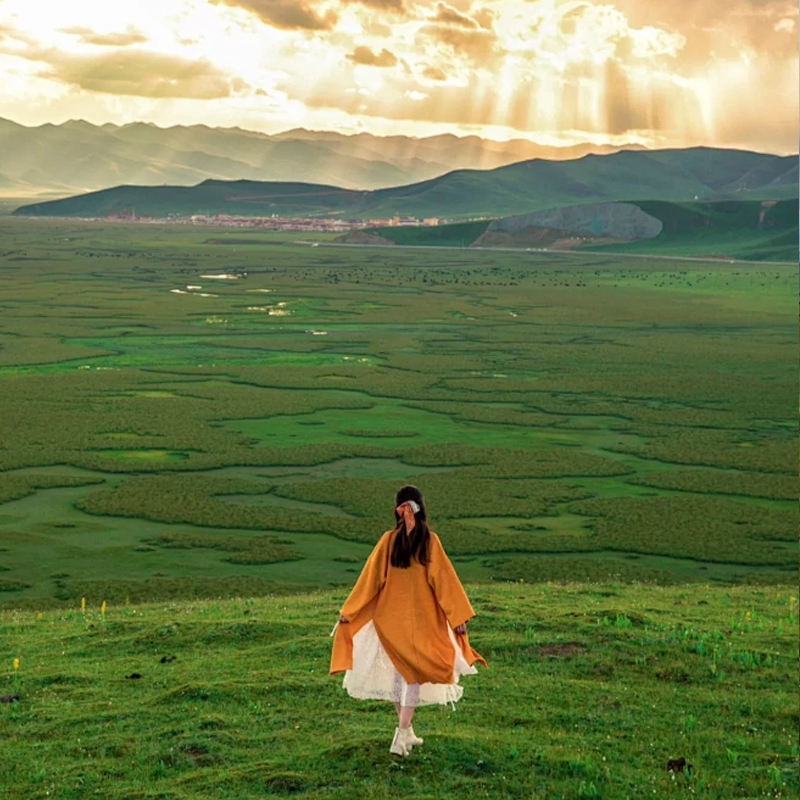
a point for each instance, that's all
(416, 544)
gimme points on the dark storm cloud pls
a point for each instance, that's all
(288, 15)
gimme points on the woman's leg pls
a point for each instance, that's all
(410, 701)
(398, 692)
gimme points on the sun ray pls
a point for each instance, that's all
(561, 70)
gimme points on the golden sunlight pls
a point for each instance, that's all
(550, 70)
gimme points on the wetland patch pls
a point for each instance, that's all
(562, 407)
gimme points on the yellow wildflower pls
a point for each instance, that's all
(16, 664)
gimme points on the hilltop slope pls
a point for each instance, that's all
(590, 691)
(749, 229)
(756, 231)
(528, 186)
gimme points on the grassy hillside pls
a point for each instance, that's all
(735, 229)
(745, 230)
(210, 197)
(590, 691)
(681, 175)
(457, 234)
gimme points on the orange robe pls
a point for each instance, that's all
(411, 609)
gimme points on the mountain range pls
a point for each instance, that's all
(76, 156)
(678, 175)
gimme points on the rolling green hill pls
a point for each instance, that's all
(210, 197)
(748, 230)
(752, 230)
(678, 175)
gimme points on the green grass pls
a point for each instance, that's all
(399, 424)
(723, 229)
(459, 234)
(609, 454)
(738, 229)
(590, 691)
(565, 414)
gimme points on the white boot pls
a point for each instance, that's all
(401, 746)
(413, 739)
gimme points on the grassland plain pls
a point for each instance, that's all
(195, 412)
(591, 690)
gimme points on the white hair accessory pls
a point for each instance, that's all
(407, 511)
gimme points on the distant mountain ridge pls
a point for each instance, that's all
(676, 175)
(77, 156)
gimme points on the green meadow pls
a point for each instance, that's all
(202, 432)
(193, 412)
(591, 691)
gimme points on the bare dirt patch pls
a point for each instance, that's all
(562, 649)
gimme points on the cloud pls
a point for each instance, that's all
(396, 6)
(678, 71)
(714, 28)
(485, 17)
(14, 34)
(290, 15)
(138, 73)
(121, 39)
(434, 73)
(480, 46)
(447, 15)
(439, 103)
(365, 56)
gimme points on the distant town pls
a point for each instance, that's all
(277, 223)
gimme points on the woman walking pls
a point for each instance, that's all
(402, 633)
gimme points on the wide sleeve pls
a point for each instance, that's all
(446, 586)
(370, 581)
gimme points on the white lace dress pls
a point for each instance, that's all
(374, 676)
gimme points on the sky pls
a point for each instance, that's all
(661, 73)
